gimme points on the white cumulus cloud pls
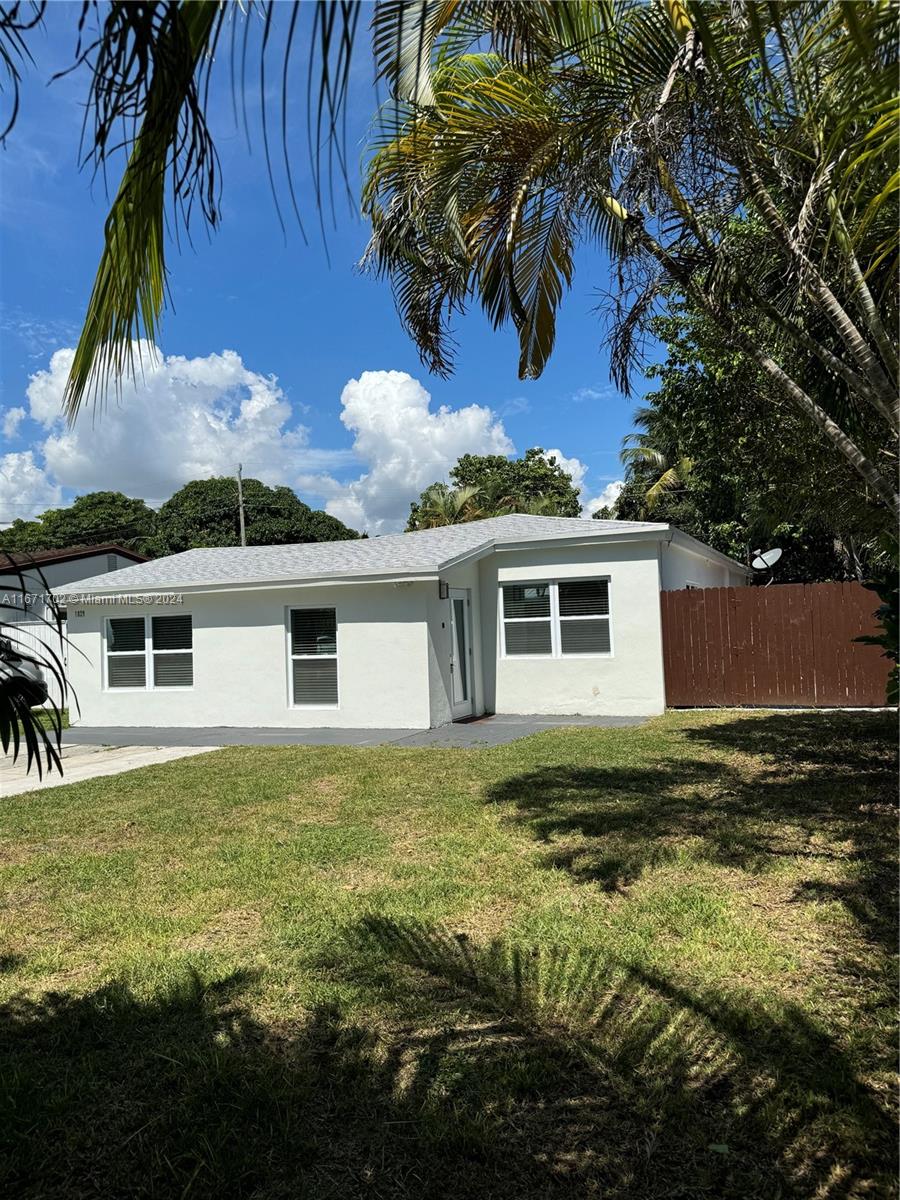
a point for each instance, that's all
(12, 419)
(572, 466)
(190, 418)
(25, 489)
(608, 496)
(181, 419)
(406, 445)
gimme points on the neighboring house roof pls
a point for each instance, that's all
(42, 558)
(399, 555)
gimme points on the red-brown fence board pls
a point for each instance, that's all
(784, 645)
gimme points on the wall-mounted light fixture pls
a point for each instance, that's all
(443, 589)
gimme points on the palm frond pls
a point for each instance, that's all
(129, 290)
(16, 21)
(41, 642)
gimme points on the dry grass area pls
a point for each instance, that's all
(625, 963)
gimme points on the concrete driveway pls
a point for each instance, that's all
(485, 731)
(89, 760)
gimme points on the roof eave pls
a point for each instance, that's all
(695, 546)
(231, 585)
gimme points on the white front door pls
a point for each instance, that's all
(460, 654)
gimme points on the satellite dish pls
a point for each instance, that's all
(764, 559)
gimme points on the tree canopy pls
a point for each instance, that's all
(90, 520)
(490, 485)
(713, 455)
(664, 132)
(205, 513)
(202, 513)
(513, 132)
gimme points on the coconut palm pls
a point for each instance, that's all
(666, 476)
(441, 504)
(663, 132)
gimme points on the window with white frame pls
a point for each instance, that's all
(313, 653)
(150, 652)
(556, 619)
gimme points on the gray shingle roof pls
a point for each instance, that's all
(425, 552)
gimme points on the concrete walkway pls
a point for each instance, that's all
(486, 731)
(89, 761)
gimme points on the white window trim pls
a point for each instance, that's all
(554, 618)
(148, 653)
(291, 656)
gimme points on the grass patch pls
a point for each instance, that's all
(625, 963)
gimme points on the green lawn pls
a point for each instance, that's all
(642, 963)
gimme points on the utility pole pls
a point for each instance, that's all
(241, 506)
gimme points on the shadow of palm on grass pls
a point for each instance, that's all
(526, 1073)
(825, 791)
(668, 1091)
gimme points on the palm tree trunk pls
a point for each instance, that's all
(886, 347)
(860, 463)
(863, 466)
(823, 295)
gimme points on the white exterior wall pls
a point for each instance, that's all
(241, 663)
(680, 567)
(628, 682)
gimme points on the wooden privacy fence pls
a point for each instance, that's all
(788, 644)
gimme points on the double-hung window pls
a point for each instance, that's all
(150, 652)
(556, 619)
(313, 657)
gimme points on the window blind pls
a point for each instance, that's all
(170, 652)
(126, 670)
(526, 600)
(554, 619)
(315, 681)
(584, 637)
(529, 637)
(126, 634)
(172, 633)
(314, 664)
(313, 631)
(584, 617)
(584, 598)
(126, 659)
(173, 670)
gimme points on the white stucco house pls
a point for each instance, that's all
(515, 614)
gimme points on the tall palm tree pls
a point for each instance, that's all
(657, 130)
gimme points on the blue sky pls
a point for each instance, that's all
(300, 331)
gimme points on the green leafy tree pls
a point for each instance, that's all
(510, 484)
(90, 520)
(205, 513)
(708, 457)
(491, 485)
(888, 617)
(661, 131)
